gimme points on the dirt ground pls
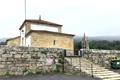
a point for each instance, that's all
(49, 77)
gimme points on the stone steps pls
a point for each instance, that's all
(106, 76)
(98, 71)
(114, 78)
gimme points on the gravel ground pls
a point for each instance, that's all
(49, 77)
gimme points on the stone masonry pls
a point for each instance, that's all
(44, 39)
(102, 58)
(14, 41)
(25, 60)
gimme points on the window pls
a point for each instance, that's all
(22, 30)
(54, 42)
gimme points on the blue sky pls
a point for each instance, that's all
(94, 17)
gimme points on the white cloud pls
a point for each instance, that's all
(78, 16)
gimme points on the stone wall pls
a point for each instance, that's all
(14, 41)
(27, 60)
(73, 64)
(101, 58)
(44, 39)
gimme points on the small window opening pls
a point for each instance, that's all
(54, 42)
(22, 30)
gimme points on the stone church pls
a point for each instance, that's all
(85, 42)
(41, 33)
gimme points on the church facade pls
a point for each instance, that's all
(41, 33)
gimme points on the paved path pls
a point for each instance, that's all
(50, 77)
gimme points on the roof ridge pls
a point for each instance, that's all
(35, 21)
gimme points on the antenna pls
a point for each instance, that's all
(25, 8)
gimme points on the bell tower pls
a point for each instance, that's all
(84, 42)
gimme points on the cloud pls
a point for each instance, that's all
(77, 16)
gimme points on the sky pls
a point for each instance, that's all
(93, 17)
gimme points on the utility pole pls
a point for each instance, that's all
(25, 8)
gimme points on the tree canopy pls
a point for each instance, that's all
(100, 44)
(104, 44)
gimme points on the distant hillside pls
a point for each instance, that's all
(3, 39)
(108, 38)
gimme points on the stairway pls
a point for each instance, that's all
(96, 70)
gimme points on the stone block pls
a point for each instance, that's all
(17, 56)
(38, 65)
(2, 66)
(10, 59)
(6, 55)
(18, 73)
(9, 62)
(13, 52)
(26, 55)
(2, 59)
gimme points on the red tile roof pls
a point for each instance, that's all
(40, 22)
